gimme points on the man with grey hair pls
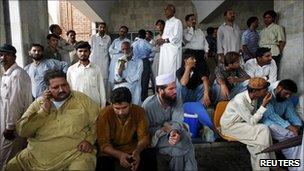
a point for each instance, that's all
(170, 43)
(165, 118)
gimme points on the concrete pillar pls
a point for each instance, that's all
(291, 18)
(2, 26)
(29, 24)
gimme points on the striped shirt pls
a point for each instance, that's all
(250, 38)
(270, 37)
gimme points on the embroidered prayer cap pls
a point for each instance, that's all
(8, 48)
(258, 83)
(164, 79)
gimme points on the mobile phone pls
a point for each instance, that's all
(130, 160)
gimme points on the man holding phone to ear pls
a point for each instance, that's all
(60, 127)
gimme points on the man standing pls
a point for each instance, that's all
(71, 35)
(262, 65)
(142, 50)
(60, 127)
(165, 117)
(100, 44)
(281, 116)
(228, 35)
(64, 47)
(171, 43)
(115, 52)
(128, 72)
(16, 97)
(85, 76)
(193, 82)
(250, 39)
(241, 119)
(272, 36)
(39, 66)
(122, 132)
(160, 25)
(52, 51)
(195, 41)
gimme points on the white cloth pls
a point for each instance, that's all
(99, 53)
(165, 79)
(195, 39)
(88, 80)
(16, 96)
(132, 74)
(228, 38)
(171, 53)
(268, 72)
(300, 107)
(240, 121)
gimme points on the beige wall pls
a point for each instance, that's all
(291, 18)
(243, 9)
(143, 14)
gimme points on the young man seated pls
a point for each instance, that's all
(281, 117)
(230, 78)
(122, 132)
(193, 81)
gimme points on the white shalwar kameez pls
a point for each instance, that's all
(171, 53)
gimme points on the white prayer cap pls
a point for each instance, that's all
(164, 79)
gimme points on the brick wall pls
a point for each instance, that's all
(72, 18)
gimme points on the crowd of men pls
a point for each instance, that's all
(84, 105)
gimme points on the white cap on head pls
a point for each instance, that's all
(164, 79)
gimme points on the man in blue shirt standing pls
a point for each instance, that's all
(37, 68)
(142, 49)
(281, 116)
(250, 39)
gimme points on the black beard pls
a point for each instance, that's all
(279, 98)
(168, 100)
(37, 58)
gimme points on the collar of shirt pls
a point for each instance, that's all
(80, 65)
(171, 19)
(251, 102)
(272, 24)
(233, 25)
(103, 37)
(256, 62)
(123, 121)
(10, 70)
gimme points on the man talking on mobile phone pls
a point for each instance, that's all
(60, 127)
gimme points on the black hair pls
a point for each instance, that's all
(37, 45)
(120, 95)
(261, 51)
(70, 31)
(51, 74)
(142, 33)
(162, 87)
(231, 57)
(53, 27)
(150, 32)
(272, 13)
(251, 20)
(188, 16)
(82, 44)
(210, 30)
(225, 13)
(125, 27)
(288, 84)
(162, 22)
(49, 36)
(101, 23)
